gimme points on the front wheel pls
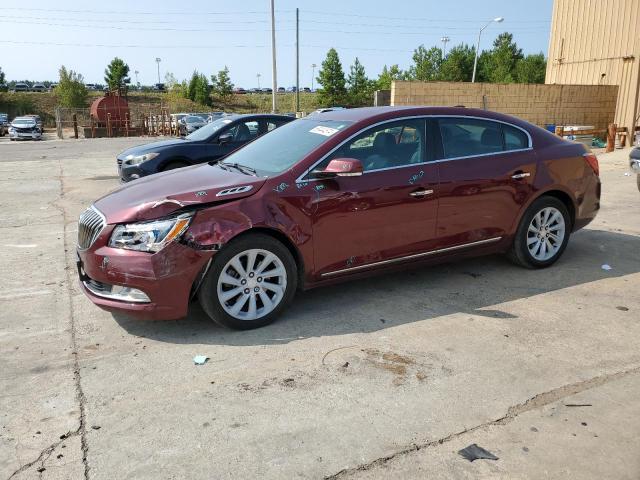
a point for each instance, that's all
(250, 282)
(542, 235)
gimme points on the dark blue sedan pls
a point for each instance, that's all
(207, 144)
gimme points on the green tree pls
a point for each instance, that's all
(531, 69)
(193, 84)
(426, 64)
(2, 77)
(387, 76)
(458, 64)
(331, 78)
(499, 65)
(116, 74)
(221, 84)
(203, 91)
(360, 88)
(71, 91)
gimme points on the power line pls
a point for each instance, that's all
(16, 42)
(130, 12)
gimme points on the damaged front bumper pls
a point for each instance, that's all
(154, 286)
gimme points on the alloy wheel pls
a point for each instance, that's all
(545, 234)
(252, 284)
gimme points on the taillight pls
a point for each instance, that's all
(592, 160)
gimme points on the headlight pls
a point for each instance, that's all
(12, 130)
(149, 236)
(137, 159)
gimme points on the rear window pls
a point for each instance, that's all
(467, 137)
(514, 138)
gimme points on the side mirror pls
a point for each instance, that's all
(225, 138)
(341, 167)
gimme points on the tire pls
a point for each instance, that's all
(541, 247)
(638, 181)
(280, 291)
(175, 165)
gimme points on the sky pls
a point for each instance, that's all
(35, 40)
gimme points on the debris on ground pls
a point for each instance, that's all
(96, 427)
(200, 359)
(622, 308)
(578, 405)
(606, 267)
(474, 452)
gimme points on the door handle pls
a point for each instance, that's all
(421, 193)
(520, 174)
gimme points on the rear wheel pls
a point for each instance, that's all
(542, 235)
(175, 165)
(250, 282)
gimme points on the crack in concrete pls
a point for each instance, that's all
(82, 429)
(45, 454)
(535, 402)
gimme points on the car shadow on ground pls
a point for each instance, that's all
(473, 286)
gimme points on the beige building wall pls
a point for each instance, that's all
(597, 42)
(537, 103)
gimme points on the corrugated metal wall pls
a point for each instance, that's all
(590, 38)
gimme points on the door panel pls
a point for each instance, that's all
(479, 196)
(360, 220)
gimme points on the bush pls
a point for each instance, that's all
(71, 91)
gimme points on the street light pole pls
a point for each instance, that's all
(274, 75)
(258, 77)
(313, 74)
(158, 60)
(444, 41)
(475, 62)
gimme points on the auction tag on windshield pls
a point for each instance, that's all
(326, 131)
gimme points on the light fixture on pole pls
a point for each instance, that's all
(475, 62)
(158, 60)
(313, 74)
(444, 41)
(137, 82)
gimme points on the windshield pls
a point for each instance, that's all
(279, 150)
(205, 132)
(22, 121)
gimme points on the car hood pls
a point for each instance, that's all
(152, 147)
(159, 195)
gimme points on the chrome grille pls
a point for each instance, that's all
(91, 224)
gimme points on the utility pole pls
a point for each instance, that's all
(297, 60)
(137, 82)
(444, 41)
(313, 74)
(274, 74)
(258, 77)
(158, 60)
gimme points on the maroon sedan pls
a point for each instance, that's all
(327, 198)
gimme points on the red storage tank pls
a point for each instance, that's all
(116, 105)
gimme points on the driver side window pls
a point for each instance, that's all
(244, 131)
(393, 144)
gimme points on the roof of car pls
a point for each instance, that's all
(385, 113)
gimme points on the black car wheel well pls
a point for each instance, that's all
(566, 199)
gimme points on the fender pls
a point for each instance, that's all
(538, 194)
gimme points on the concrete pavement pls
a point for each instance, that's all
(379, 378)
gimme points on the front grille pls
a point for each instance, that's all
(90, 225)
(25, 130)
(119, 162)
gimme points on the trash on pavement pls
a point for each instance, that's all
(606, 267)
(200, 359)
(474, 452)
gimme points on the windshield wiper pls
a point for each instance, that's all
(242, 168)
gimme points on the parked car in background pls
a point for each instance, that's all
(191, 123)
(281, 90)
(38, 87)
(208, 144)
(338, 195)
(52, 86)
(24, 128)
(4, 124)
(266, 90)
(239, 91)
(306, 90)
(21, 87)
(634, 163)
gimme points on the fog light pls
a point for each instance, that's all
(129, 294)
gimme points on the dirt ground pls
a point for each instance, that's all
(381, 378)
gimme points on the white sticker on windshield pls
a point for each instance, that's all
(326, 131)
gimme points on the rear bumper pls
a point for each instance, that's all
(166, 277)
(588, 204)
